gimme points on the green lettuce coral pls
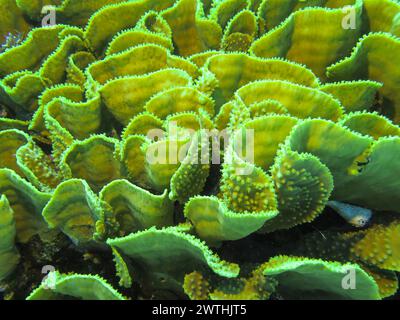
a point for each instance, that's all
(199, 149)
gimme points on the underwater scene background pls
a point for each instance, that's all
(199, 149)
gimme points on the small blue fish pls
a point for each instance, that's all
(356, 216)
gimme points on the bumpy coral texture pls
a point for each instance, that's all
(317, 82)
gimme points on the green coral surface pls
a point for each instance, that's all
(193, 149)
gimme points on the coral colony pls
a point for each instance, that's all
(199, 149)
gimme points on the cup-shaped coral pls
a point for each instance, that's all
(195, 148)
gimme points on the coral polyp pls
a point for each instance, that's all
(199, 149)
